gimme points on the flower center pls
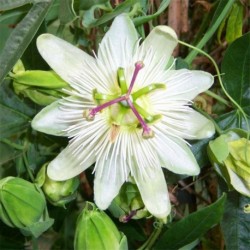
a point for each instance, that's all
(124, 106)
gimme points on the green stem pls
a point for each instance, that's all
(26, 163)
(220, 81)
(218, 98)
(12, 144)
(153, 237)
(210, 32)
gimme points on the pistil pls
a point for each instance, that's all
(126, 97)
(138, 66)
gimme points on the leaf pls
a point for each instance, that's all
(21, 37)
(66, 12)
(10, 4)
(199, 149)
(123, 7)
(234, 119)
(192, 227)
(12, 122)
(236, 223)
(9, 99)
(235, 69)
(235, 23)
(221, 12)
(8, 20)
(7, 153)
(143, 19)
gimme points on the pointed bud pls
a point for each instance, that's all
(95, 230)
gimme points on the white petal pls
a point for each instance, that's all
(70, 63)
(159, 44)
(116, 48)
(175, 155)
(111, 172)
(153, 190)
(198, 126)
(67, 165)
(238, 183)
(186, 85)
(48, 120)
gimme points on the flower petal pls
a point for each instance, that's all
(198, 126)
(175, 155)
(159, 44)
(117, 46)
(67, 165)
(47, 120)
(69, 62)
(111, 172)
(186, 85)
(153, 190)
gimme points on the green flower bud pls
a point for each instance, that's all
(95, 230)
(23, 205)
(58, 193)
(42, 87)
(128, 204)
(230, 155)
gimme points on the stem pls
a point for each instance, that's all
(26, 163)
(153, 237)
(218, 98)
(210, 32)
(220, 81)
(12, 144)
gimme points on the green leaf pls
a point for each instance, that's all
(234, 119)
(90, 21)
(21, 37)
(8, 153)
(10, 4)
(143, 19)
(236, 223)
(12, 122)
(221, 12)
(66, 12)
(235, 69)
(192, 227)
(235, 22)
(8, 20)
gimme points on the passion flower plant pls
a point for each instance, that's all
(128, 112)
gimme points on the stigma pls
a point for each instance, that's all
(126, 99)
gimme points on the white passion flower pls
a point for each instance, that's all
(128, 113)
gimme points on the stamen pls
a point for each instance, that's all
(147, 131)
(148, 89)
(90, 114)
(138, 66)
(121, 80)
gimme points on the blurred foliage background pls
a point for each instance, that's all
(202, 216)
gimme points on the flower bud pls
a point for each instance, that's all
(230, 155)
(95, 230)
(42, 87)
(58, 193)
(23, 205)
(128, 204)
